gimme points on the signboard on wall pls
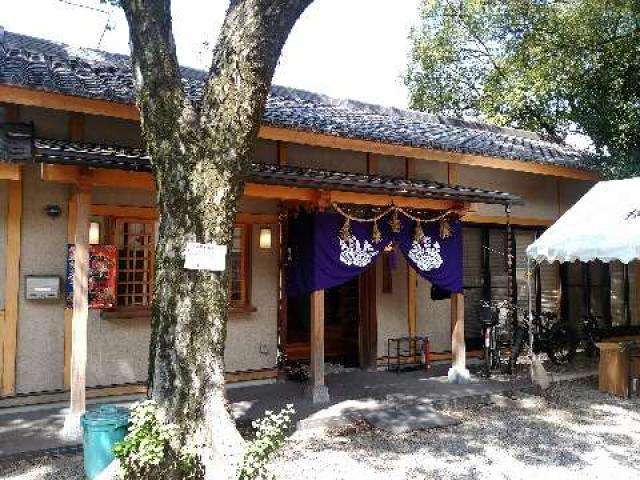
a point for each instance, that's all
(103, 261)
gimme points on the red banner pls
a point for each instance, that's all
(103, 261)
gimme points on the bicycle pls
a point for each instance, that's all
(558, 339)
(593, 332)
(492, 335)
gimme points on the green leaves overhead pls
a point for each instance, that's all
(551, 66)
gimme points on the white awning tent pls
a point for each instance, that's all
(603, 225)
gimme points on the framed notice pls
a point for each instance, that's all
(103, 261)
(205, 256)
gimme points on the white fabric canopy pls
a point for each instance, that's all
(603, 225)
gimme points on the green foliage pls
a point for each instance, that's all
(269, 438)
(147, 452)
(551, 66)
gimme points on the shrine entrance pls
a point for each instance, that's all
(342, 325)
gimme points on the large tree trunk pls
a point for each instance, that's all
(201, 155)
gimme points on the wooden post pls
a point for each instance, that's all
(68, 312)
(12, 288)
(319, 391)
(368, 320)
(72, 427)
(412, 309)
(458, 372)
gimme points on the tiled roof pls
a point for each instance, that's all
(45, 65)
(101, 156)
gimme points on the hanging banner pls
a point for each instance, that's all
(103, 260)
(326, 249)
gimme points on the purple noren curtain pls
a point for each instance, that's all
(320, 259)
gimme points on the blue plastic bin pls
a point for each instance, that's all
(102, 428)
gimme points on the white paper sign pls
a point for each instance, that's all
(205, 256)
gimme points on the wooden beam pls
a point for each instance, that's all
(281, 192)
(452, 174)
(2, 319)
(117, 178)
(101, 177)
(80, 305)
(283, 153)
(410, 167)
(368, 331)
(68, 312)
(257, 218)
(250, 375)
(412, 309)
(457, 331)
(372, 164)
(319, 391)
(76, 126)
(342, 143)
(400, 201)
(147, 213)
(502, 220)
(12, 112)
(69, 103)
(9, 172)
(12, 287)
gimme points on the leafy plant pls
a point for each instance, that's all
(148, 452)
(554, 67)
(269, 438)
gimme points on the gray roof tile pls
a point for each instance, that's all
(45, 65)
(132, 159)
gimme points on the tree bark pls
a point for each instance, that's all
(200, 154)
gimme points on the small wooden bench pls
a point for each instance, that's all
(619, 363)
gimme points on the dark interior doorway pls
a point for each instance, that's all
(342, 325)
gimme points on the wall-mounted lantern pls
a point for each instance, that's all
(94, 233)
(265, 238)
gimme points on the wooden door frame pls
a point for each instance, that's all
(368, 325)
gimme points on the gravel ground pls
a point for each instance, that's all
(65, 467)
(574, 433)
(577, 433)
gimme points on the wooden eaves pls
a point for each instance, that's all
(102, 177)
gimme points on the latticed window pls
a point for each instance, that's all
(238, 262)
(135, 240)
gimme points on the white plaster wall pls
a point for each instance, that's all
(246, 333)
(434, 317)
(538, 191)
(40, 342)
(570, 191)
(117, 350)
(392, 307)
(3, 238)
(326, 158)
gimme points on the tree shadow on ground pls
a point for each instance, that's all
(562, 433)
(67, 467)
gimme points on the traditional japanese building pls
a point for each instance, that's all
(381, 179)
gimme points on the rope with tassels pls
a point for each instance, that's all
(376, 237)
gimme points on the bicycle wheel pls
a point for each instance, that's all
(562, 343)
